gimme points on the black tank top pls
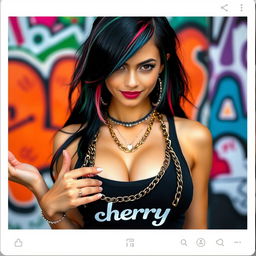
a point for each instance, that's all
(153, 211)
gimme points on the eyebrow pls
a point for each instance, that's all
(145, 61)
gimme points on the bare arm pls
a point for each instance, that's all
(65, 190)
(200, 143)
(67, 193)
(73, 219)
(64, 196)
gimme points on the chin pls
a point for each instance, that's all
(126, 102)
(131, 103)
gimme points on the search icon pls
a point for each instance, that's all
(183, 242)
(220, 242)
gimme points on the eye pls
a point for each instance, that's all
(147, 67)
(121, 68)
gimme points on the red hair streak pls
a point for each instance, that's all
(98, 101)
(169, 99)
(138, 34)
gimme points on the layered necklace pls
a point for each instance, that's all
(129, 148)
(129, 145)
(89, 160)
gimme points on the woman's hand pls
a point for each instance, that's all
(25, 174)
(70, 192)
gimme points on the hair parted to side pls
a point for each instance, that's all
(112, 41)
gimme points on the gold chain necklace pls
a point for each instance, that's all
(129, 145)
(89, 160)
(130, 148)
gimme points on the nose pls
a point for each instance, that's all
(131, 80)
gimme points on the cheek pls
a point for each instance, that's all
(110, 84)
(151, 78)
(150, 82)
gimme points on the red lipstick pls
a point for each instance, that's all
(131, 95)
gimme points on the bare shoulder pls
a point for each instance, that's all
(192, 130)
(195, 140)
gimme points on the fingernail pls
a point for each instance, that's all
(100, 188)
(99, 195)
(99, 169)
(88, 175)
(100, 182)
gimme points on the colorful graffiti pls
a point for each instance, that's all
(194, 44)
(228, 111)
(41, 62)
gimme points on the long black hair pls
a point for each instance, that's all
(112, 41)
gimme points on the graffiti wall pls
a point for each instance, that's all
(227, 95)
(41, 62)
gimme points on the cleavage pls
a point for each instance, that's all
(117, 165)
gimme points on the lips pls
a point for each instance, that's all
(131, 95)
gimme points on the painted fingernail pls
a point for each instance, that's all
(99, 169)
(99, 195)
(88, 175)
(100, 182)
(100, 188)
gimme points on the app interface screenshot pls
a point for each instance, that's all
(127, 128)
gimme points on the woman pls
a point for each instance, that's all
(127, 157)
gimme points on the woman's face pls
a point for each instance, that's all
(132, 83)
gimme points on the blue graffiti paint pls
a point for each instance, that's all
(228, 87)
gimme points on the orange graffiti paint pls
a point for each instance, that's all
(192, 41)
